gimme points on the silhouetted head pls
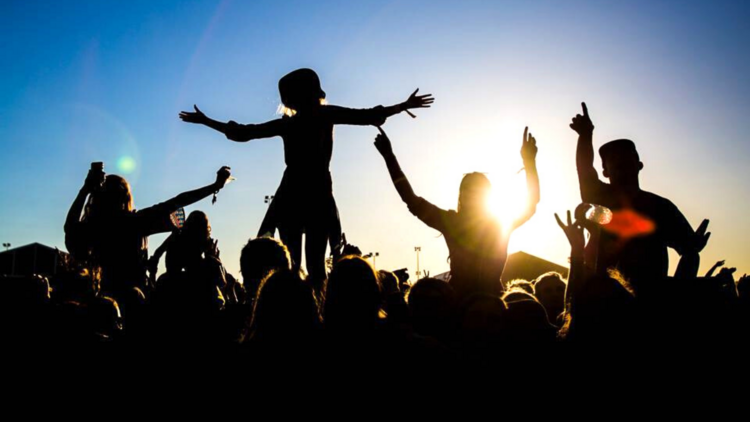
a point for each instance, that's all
(259, 257)
(620, 160)
(300, 90)
(527, 321)
(743, 289)
(549, 288)
(474, 193)
(352, 299)
(482, 316)
(113, 197)
(197, 226)
(520, 284)
(286, 309)
(433, 306)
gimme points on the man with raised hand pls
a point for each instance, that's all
(644, 225)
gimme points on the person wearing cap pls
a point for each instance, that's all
(644, 224)
(304, 200)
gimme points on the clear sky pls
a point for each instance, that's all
(105, 81)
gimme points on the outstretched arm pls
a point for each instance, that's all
(414, 101)
(528, 153)
(400, 182)
(233, 130)
(587, 176)
(186, 198)
(377, 116)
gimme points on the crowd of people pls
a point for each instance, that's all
(618, 290)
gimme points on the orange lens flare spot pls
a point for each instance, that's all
(628, 224)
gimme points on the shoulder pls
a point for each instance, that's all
(658, 201)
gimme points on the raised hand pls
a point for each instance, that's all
(193, 117)
(713, 269)
(574, 233)
(383, 144)
(94, 180)
(213, 249)
(222, 176)
(418, 101)
(582, 124)
(528, 147)
(700, 238)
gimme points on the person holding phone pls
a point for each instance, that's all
(103, 229)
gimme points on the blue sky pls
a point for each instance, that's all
(89, 81)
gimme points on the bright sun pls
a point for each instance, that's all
(509, 197)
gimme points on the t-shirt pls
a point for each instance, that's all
(654, 223)
(478, 247)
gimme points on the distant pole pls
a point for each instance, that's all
(418, 249)
(6, 246)
(377, 254)
(268, 199)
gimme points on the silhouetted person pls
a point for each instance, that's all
(304, 201)
(188, 245)
(353, 299)
(549, 288)
(258, 259)
(285, 313)
(643, 224)
(113, 236)
(477, 242)
(433, 307)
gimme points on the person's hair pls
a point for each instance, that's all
(549, 289)
(474, 192)
(353, 295)
(286, 309)
(197, 226)
(433, 306)
(520, 284)
(300, 88)
(258, 258)
(113, 197)
(548, 277)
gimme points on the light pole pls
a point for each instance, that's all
(418, 249)
(6, 246)
(372, 255)
(268, 199)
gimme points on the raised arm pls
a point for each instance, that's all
(93, 179)
(528, 153)
(233, 130)
(690, 250)
(187, 198)
(576, 277)
(587, 176)
(400, 182)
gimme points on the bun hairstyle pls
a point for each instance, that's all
(299, 88)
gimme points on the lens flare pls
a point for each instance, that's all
(126, 164)
(508, 198)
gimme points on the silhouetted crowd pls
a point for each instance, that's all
(617, 292)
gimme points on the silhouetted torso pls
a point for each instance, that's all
(644, 256)
(308, 147)
(478, 248)
(120, 245)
